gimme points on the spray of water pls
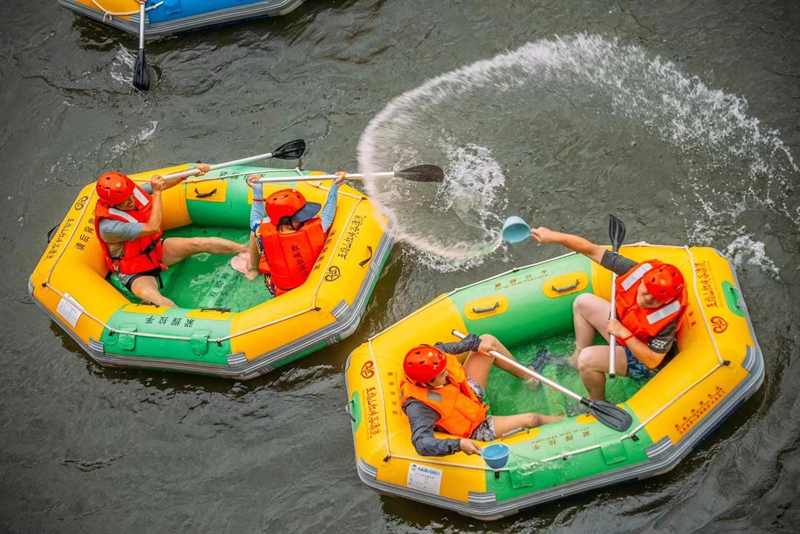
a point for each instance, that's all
(566, 128)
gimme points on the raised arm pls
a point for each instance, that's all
(573, 242)
(153, 224)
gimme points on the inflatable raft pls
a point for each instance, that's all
(165, 17)
(226, 325)
(718, 365)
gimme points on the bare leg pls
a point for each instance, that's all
(478, 364)
(255, 253)
(180, 248)
(146, 288)
(507, 423)
(589, 314)
(593, 366)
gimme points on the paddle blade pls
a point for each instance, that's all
(421, 173)
(141, 72)
(616, 231)
(291, 150)
(609, 414)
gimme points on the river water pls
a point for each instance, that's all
(87, 449)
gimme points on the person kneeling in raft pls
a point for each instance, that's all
(291, 238)
(441, 394)
(650, 301)
(127, 221)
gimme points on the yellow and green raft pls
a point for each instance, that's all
(225, 325)
(717, 367)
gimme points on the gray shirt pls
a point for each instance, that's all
(622, 265)
(423, 418)
(116, 233)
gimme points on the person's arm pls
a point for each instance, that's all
(616, 263)
(153, 224)
(257, 211)
(172, 182)
(468, 344)
(573, 242)
(423, 419)
(329, 209)
(651, 353)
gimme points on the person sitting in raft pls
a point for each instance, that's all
(441, 394)
(650, 302)
(289, 239)
(127, 221)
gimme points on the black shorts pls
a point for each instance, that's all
(155, 273)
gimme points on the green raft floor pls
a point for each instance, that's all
(206, 280)
(507, 395)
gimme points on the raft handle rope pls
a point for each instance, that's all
(109, 15)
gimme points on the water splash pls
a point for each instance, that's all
(562, 127)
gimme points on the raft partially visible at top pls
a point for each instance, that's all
(224, 325)
(165, 17)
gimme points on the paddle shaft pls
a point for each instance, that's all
(612, 340)
(141, 27)
(318, 177)
(192, 172)
(528, 371)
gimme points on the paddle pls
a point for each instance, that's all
(609, 414)
(420, 173)
(616, 231)
(141, 73)
(291, 150)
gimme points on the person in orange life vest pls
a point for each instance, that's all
(441, 394)
(288, 242)
(650, 302)
(128, 223)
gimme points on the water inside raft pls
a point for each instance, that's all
(507, 395)
(206, 280)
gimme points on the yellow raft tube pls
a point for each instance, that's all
(224, 325)
(717, 367)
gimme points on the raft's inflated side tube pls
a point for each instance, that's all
(70, 284)
(718, 366)
(165, 17)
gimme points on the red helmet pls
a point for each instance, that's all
(284, 203)
(424, 363)
(664, 283)
(114, 187)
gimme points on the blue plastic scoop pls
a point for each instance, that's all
(516, 230)
(496, 455)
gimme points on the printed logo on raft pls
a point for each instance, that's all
(718, 324)
(368, 369)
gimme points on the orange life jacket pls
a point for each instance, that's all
(143, 253)
(289, 258)
(645, 323)
(460, 411)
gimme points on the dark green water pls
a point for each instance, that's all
(87, 449)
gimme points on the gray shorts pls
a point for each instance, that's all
(485, 431)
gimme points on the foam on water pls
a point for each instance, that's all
(573, 100)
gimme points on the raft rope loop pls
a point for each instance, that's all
(109, 15)
(380, 390)
(219, 340)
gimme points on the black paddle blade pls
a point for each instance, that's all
(616, 231)
(141, 72)
(421, 173)
(291, 150)
(609, 414)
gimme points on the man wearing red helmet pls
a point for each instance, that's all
(127, 221)
(650, 302)
(287, 235)
(441, 394)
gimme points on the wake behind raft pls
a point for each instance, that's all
(718, 366)
(225, 325)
